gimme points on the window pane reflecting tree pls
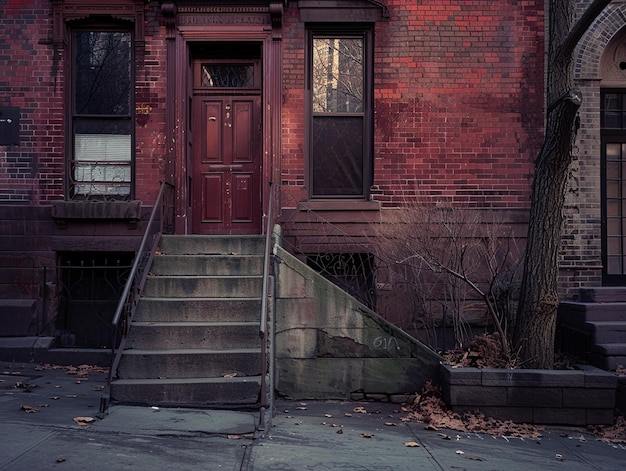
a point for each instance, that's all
(103, 74)
(337, 75)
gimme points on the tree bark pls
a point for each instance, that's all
(535, 324)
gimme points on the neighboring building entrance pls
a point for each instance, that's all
(226, 155)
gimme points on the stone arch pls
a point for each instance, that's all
(590, 59)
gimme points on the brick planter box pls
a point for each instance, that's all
(585, 396)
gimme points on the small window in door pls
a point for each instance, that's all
(227, 75)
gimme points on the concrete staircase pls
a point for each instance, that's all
(194, 340)
(594, 328)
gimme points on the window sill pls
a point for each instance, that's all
(128, 210)
(338, 205)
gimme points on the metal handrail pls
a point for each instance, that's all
(263, 327)
(266, 262)
(139, 273)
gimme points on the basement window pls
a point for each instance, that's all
(352, 272)
(90, 286)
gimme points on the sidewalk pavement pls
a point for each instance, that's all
(48, 421)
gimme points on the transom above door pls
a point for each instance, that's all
(226, 169)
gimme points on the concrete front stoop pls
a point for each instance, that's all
(593, 328)
(194, 340)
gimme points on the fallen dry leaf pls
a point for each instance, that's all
(84, 421)
(60, 460)
(328, 415)
(359, 410)
(28, 409)
(411, 444)
(340, 431)
(240, 436)
(390, 424)
(367, 435)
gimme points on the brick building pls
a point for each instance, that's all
(348, 107)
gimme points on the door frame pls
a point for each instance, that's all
(179, 165)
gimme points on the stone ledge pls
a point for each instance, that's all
(585, 396)
(130, 210)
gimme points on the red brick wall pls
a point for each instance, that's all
(31, 79)
(458, 101)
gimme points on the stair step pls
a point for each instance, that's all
(606, 332)
(187, 391)
(608, 356)
(198, 309)
(189, 363)
(181, 335)
(212, 265)
(612, 349)
(218, 244)
(577, 313)
(602, 294)
(203, 286)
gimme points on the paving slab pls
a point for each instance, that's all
(74, 450)
(177, 422)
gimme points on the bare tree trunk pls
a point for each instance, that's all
(535, 323)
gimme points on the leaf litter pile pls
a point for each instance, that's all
(430, 409)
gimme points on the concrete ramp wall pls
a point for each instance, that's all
(330, 346)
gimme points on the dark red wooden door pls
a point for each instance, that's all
(227, 165)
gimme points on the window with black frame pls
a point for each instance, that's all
(340, 121)
(101, 164)
(613, 122)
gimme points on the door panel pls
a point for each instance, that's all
(213, 203)
(226, 169)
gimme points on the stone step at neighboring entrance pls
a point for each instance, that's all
(594, 329)
(578, 313)
(194, 340)
(608, 356)
(607, 332)
(603, 294)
